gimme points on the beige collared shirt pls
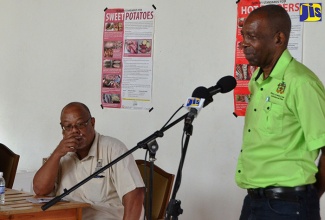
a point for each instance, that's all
(104, 193)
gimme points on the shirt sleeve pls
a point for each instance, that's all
(310, 106)
(125, 173)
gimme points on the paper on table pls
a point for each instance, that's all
(39, 200)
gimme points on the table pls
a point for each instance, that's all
(17, 207)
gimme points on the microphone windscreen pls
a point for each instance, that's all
(202, 92)
(226, 84)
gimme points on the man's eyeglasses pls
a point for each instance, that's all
(78, 126)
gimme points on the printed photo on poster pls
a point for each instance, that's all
(112, 81)
(244, 71)
(111, 98)
(137, 46)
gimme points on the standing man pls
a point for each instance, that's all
(284, 126)
(117, 193)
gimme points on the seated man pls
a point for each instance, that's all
(117, 193)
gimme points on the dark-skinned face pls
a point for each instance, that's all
(259, 42)
(74, 116)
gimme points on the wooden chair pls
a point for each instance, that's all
(8, 165)
(162, 187)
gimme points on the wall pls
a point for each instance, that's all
(50, 54)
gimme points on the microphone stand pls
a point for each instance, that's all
(142, 144)
(152, 148)
(174, 206)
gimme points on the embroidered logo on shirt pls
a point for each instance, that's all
(98, 167)
(281, 88)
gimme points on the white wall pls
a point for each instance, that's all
(50, 54)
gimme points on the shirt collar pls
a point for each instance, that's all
(93, 148)
(278, 70)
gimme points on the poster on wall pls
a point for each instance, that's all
(242, 70)
(127, 58)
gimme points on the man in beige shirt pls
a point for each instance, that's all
(117, 193)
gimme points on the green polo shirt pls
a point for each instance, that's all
(284, 127)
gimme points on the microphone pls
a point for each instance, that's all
(200, 98)
(224, 85)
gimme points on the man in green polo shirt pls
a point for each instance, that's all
(284, 130)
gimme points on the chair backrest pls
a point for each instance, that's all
(162, 187)
(8, 164)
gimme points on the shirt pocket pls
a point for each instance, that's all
(272, 118)
(95, 189)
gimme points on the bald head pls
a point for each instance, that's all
(277, 18)
(78, 105)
